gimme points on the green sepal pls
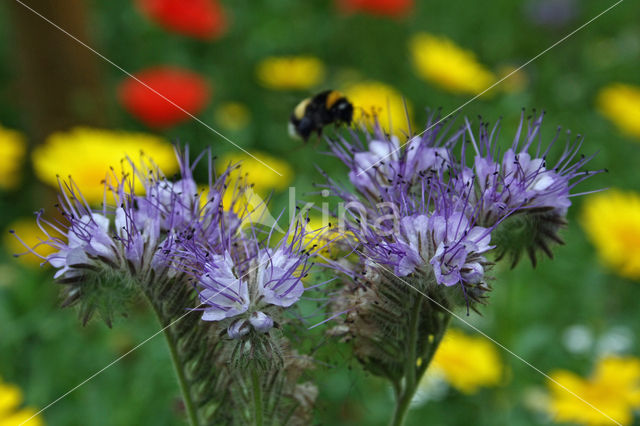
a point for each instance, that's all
(103, 291)
(531, 232)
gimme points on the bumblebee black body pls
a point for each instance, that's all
(312, 114)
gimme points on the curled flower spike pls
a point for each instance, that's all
(420, 224)
(522, 188)
(518, 180)
(127, 242)
(175, 243)
(514, 194)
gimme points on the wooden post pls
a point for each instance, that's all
(58, 82)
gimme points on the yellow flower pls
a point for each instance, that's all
(439, 60)
(374, 99)
(467, 362)
(324, 234)
(262, 177)
(13, 148)
(611, 219)
(250, 207)
(620, 103)
(28, 231)
(515, 83)
(317, 229)
(232, 115)
(250, 203)
(290, 72)
(614, 389)
(86, 154)
(10, 415)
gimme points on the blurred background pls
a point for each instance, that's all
(73, 104)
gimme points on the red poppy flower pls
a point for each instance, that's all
(393, 8)
(203, 19)
(147, 101)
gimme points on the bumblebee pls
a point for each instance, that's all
(313, 113)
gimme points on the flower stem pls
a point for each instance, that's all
(406, 394)
(402, 407)
(257, 396)
(414, 325)
(177, 367)
(414, 373)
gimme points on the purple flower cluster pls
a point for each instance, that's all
(151, 231)
(420, 209)
(244, 280)
(424, 237)
(449, 245)
(380, 166)
(517, 180)
(135, 228)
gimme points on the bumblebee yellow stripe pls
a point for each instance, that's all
(332, 98)
(298, 112)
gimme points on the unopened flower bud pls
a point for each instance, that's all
(237, 329)
(261, 321)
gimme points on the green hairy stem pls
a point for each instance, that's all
(395, 326)
(420, 351)
(213, 391)
(193, 346)
(178, 368)
(405, 389)
(257, 396)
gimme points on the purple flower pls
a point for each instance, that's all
(140, 231)
(279, 281)
(177, 202)
(238, 329)
(416, 237)
(374, 168)
(552, 13)
(459, 246)
(250, 282)
(88, 236)
(518, 181)
(384, 165)
(261, 322)
(422, 212)
(447, 245)
(132, 238)
(224, 294)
